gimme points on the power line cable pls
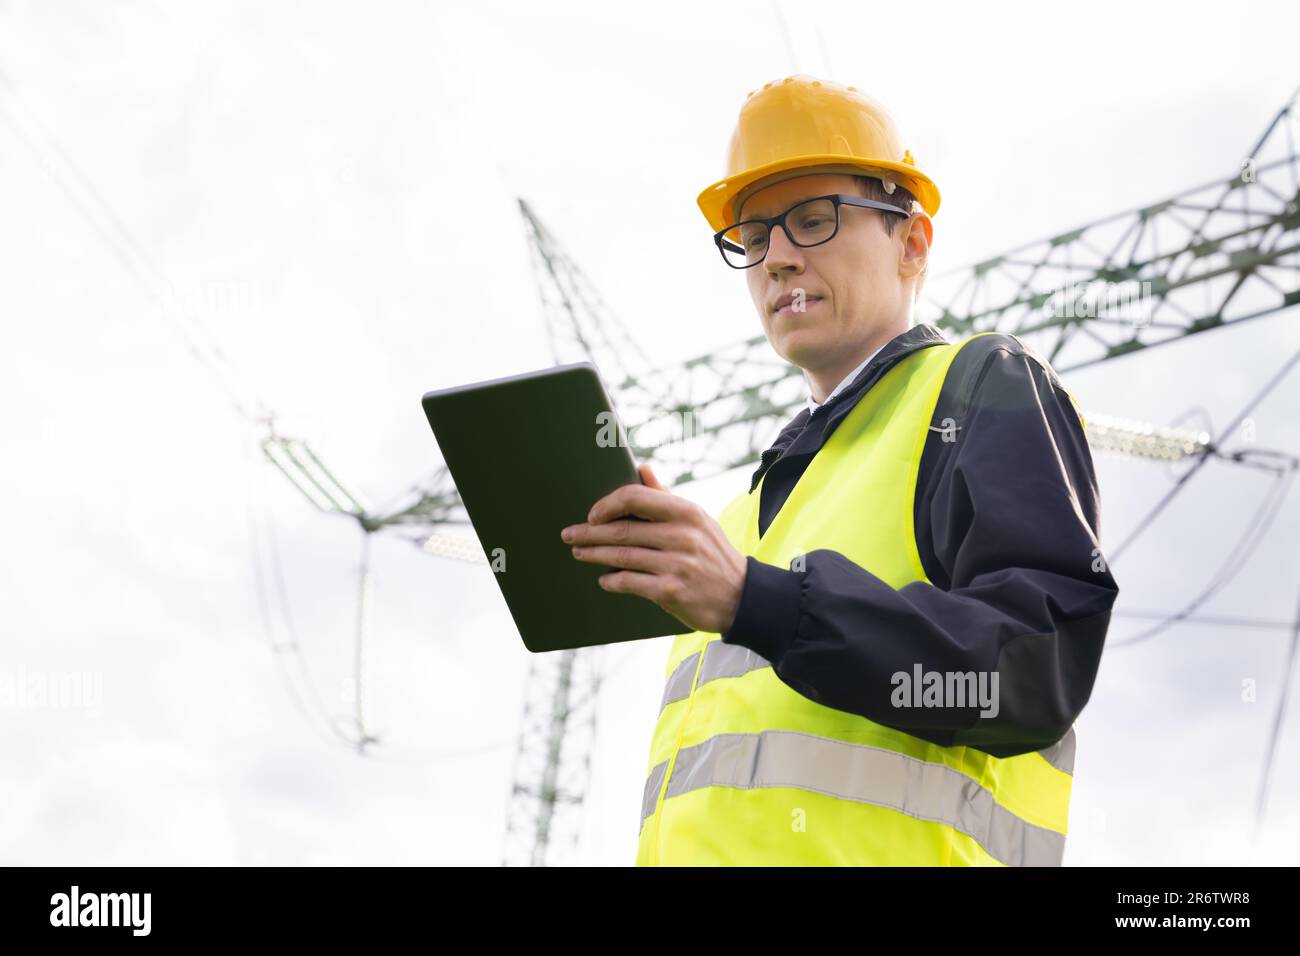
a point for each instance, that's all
(1205, 456)
(262, 526)
(1211, 620)
(1279, 718)
(312, 706)
(1255, 531)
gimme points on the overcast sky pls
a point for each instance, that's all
(326, 191)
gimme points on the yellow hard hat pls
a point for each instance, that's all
(800, 122)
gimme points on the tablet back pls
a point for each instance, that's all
(530, 454)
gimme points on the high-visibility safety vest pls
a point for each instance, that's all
(744, 770)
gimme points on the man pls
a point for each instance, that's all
(899, 622)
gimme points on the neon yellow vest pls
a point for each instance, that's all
(744, 770)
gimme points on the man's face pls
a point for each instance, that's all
(855, 286)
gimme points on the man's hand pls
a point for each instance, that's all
(679, 558)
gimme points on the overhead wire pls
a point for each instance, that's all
(1271, 503)
(1279, 718)
(260, 526)
(1255, 531)
(1281, 485)
(1204, 457)
(1211, 620)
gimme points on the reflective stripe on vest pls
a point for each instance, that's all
(720, 660)
(745, 770)
(864, 774)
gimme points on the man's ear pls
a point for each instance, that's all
(918, 233)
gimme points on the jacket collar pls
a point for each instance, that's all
(795, 438)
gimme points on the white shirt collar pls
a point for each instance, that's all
(848, 380)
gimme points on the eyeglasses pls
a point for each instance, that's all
(810, 223)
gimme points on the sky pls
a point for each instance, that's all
(315, 204)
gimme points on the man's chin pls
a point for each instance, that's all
(803, 348)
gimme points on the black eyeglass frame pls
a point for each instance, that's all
(839, 199)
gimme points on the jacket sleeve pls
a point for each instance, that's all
(1022, 593)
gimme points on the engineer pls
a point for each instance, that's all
(899, 621)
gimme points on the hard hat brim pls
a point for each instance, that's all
(715, 201)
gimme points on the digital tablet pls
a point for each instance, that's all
(530, 454)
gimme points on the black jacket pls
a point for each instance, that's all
(1007, 525)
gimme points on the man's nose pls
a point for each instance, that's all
(782, 254)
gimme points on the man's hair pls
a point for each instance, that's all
(872, 188)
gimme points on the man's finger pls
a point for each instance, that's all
(636, 500)
(645, 534)
(644, 585)
(625, 558)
